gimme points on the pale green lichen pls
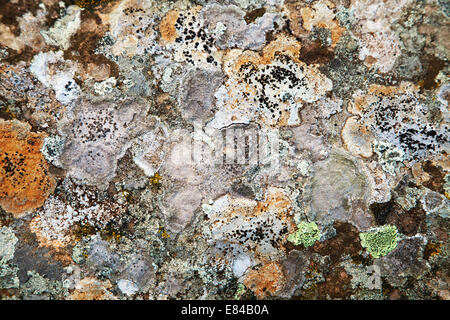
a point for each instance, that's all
(7, 244)
(79, 252)
(52, 147)
(379, 242)
(345, 17)
(8, 271)
(409, 200)
(38, 287)
(239, 291)
(447, 185)
(307, 234)
(389, 157)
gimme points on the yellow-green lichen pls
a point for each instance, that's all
(381, 241)
(307, 234)
(239, 291)
(108, 232)
(91, 3)
(163, 233)
(155, 180)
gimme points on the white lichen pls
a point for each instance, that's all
(59, 35)
(54, 72)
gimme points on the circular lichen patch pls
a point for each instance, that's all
(381, 241)
(307, 234)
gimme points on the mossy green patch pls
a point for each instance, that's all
(307, 234)
(239, 292)
(381, 241)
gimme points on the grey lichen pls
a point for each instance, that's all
(52, 148)
(389, 157)
(8, 272)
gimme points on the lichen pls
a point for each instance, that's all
(266, 281)
(253, 91)
(52, 148)
(306, 234)
(389, 157)
(7, 243)
(232, 149)
(246, 229)
(239, 291)
(8, 271)
(92, 289)
(397, 116)
(97, 134)
(41, 287)
(379, 242)
(60, 80)
(59, 35)
(25, 181)
(55, 224)
(91, 3)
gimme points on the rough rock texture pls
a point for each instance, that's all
(224, 149)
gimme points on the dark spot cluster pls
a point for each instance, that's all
(12, 164)
(140, 14)
(272, 77)
(94, 127)
(194, 37)
(107, 210)
(70, 85)
(14, 167)
(131, 10)
(260, 232)
(401, 121)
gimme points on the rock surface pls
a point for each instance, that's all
(224, 149)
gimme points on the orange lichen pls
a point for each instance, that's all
(167, 26)
(289, 46)
(92, 289)
(266, 281)
(276, 201)
(25, 182)
(321, 16)
(432, 249)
